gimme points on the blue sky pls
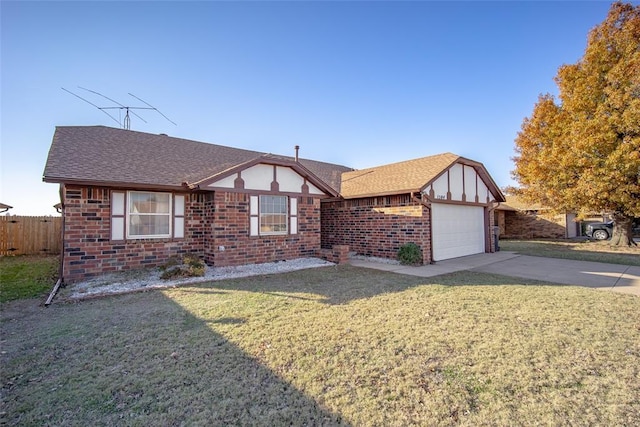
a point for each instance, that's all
(354, 83)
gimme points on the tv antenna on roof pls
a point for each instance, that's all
(126, 123)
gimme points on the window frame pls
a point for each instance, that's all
(128, 216)
(262, 214)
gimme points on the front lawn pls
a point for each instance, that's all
(327, 346)
(581, 250)
(27, 276)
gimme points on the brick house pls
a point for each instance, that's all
(132, 199)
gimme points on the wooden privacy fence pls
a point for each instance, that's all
(30, 235)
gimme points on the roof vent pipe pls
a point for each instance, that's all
(297, 147)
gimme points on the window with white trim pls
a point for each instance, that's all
(273, 214)
(146, 215)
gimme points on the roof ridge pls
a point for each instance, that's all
(410, 161)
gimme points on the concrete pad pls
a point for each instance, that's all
(629, 282)
(597, 275)
(438, 268)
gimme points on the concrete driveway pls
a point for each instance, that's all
(597, 275)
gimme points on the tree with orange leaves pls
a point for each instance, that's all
(582, 153)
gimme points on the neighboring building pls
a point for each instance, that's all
(132, 199)
(519, 220)
(4, 208)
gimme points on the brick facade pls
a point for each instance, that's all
(229, 242)
(525, 225)
(376, 226)
(213, 221)
(89, 250)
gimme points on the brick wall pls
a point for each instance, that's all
(521, 225)
(499, 216)
(88, 249)
(339, 254)
(376, 226)
(213, 221)
(230, 242)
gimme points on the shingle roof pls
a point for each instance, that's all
(395, 178)
(514, 203)
(110, 156)
(116, 156)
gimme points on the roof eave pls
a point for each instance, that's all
(380, 194)
(113, 184)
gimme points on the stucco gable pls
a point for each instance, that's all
(464, 181)
(269, 174)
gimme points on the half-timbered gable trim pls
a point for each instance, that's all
(462, 182)
(267, 174)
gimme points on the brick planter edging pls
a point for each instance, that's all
(338, 254)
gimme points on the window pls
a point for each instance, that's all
(149, 214)
(273, 215)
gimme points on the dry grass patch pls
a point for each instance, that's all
(328, 346)
(581, 250)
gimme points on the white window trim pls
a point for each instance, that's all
(148, 236)
(286, 221)
(178, 216)
(118, 219)
(293, 215)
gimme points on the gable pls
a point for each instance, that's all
(444, 176)
(461, 183)
(267, 177)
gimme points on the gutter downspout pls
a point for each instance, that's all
(53, 292)
(427, 204)
(491, 208)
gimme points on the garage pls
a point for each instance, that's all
(457, 230)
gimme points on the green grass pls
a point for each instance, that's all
(582, 250)
(26, 276)
(327, 346)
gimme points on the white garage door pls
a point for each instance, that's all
(457, 230)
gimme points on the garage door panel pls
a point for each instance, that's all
(458, 230)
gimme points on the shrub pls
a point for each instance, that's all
(410, 254)
(188, 266)
(171, 262)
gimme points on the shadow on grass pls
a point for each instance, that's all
(344, 283)
(330, 285)
(139, 359)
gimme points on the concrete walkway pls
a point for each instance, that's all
(597, 275)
